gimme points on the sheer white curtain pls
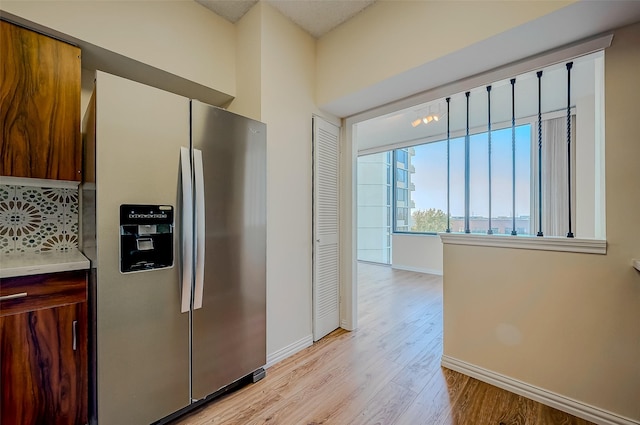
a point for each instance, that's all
(555, 192)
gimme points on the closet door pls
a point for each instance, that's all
(326, 301)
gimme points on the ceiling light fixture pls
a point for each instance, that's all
(429, 118)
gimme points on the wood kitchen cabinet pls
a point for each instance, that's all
(39, 106)
(43, 337)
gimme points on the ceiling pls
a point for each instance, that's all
(317, 17)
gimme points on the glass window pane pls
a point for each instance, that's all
(401, 177)
(457, 184)
(401, 157)
(428, 194)
(374, 212)
(524, 187)
(502, 186)
(478, 183)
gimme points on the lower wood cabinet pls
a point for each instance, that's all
(43, 337)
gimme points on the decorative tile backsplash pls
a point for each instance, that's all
(36, 219)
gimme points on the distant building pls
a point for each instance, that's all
(375, 213)
(404, 187)
(499, 225)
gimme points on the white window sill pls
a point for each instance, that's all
(546, 243)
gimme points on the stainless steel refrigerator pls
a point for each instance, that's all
(174, 223)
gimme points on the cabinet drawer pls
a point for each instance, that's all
(28, 293)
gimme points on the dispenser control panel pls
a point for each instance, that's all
(146, 237)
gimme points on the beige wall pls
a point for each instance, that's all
(287, 107)
(282, 57)
(179, 37)
(248, 101)
(568, 323)
(394, 36)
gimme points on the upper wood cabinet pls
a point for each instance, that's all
(39, 106)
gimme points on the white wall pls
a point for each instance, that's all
(419, 253)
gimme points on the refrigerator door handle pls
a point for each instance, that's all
(187, 229)
(200, 228)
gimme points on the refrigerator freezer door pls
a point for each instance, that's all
(229, 331)
(142, 338)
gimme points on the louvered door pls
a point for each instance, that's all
(326, 311)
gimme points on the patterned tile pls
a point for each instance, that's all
(38, 219)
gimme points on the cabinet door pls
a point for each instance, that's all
(44, 366)
(39, 106)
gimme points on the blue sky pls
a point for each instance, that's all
(430, 178)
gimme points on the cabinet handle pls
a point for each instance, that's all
(74, 326)
(13, 296)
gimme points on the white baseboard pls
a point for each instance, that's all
(560, 402)
(289, 350)
(416, 269)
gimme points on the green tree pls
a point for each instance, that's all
(431, 220)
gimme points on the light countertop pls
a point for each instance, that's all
(30, 263)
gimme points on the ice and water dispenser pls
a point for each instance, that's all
(146, 237)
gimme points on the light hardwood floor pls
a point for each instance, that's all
(387, 372)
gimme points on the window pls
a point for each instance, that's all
(401, 157)
(428, 180)
(401, 214)
(439, 184)
(401, 177)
